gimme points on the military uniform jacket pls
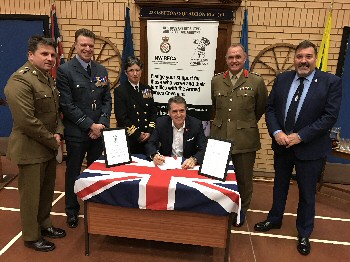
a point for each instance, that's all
(84, 100)
(135, 110)
(237, 110)
(33, 101)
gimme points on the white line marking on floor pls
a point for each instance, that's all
(291, 238)
(9, 209)
(15, 188)
(11, 188)
(294, 215)
(251, 242)
(58, 198)
(9, 244)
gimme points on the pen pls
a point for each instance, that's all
(162, 158)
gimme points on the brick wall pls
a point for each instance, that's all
(270, 22)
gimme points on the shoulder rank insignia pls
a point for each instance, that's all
(255, 73)
(24, 70)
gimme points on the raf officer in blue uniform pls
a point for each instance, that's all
(86, 104)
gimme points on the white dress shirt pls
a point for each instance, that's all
(177, 146)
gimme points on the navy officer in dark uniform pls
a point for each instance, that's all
(134, 107)
(86, 104)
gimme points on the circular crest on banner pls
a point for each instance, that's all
(165, 47)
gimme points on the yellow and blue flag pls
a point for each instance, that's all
(244, 37)
(322, 59)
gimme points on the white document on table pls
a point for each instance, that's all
(116, 146)
(216, 159)
(171, 163)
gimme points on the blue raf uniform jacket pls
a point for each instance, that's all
(84, 100)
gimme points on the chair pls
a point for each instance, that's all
(4, 179)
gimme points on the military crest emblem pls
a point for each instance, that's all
(165, 46)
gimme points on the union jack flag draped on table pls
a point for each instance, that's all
(142, 185)
(55, 34)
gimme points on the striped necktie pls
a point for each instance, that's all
(292, 110)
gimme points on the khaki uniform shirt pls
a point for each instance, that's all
(237, 110)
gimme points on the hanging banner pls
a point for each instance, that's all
(156, 12)
(181, 61)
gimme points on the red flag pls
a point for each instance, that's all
(55, 34)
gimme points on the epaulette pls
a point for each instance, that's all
(217, 74)
(24, 70)
(255, 73)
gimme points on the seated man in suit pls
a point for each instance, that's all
(177, 135)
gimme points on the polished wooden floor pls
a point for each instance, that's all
(330, 240)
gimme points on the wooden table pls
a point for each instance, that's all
(116, 212)
(341, 154)
(169, 226)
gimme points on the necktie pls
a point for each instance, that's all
(88, 69)
(137, 89)
(290, 120)
(234, 80)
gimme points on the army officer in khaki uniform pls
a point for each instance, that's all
(34, 140)
(239, 100)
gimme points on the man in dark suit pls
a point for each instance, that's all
(86, 104)
(36, 135)
(177, 135)
(134, 107)
(302, 108)
(239, 100)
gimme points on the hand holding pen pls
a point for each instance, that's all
(158, 159)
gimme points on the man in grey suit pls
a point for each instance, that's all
(86, 104)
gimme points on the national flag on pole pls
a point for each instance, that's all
(55, 34)
(244, 37)
(322, 60)
(128, 46)
(142, 185)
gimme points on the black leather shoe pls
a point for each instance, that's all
(241, 223)
(72, 221)
(40, 245)
(304, 246)
(266, 226)
(53, 232)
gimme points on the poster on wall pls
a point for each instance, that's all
(181, 61)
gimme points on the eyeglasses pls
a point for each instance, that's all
(133, 70)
